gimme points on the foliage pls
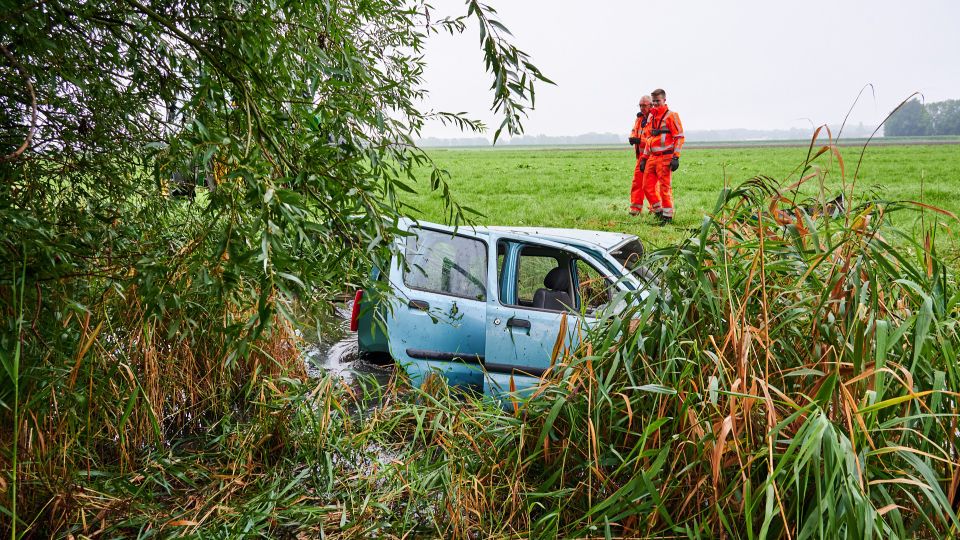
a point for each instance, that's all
(946, 117)
(918, 119)
(133, 319)
(910, 120)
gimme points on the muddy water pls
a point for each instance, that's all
(339, 355)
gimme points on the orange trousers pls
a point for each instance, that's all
(656, 181)
(639, 190)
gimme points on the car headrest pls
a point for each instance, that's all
(557, 279)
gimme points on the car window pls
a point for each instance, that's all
(442, 263)
(530, 276)
(593, 288)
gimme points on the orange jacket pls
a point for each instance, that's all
(665, 135)
(641, 130)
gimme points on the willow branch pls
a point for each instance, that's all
(33, 106)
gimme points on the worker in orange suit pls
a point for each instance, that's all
(661, 153)
(638, 136)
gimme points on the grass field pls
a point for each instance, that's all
(588, 188)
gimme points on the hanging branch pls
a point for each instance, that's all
(33, 107)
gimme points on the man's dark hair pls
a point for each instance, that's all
(659, 92)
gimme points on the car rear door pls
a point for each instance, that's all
(437, 316)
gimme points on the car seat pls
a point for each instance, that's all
(556, 296)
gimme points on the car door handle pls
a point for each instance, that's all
(419, 304)
(518, 323)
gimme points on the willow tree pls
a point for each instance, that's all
(132, 315)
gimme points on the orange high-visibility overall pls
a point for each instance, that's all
(641, 130)
(662, 145)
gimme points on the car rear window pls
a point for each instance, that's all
(443, 263)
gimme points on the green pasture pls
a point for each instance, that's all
(588, 187)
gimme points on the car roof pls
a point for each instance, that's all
(604, 240)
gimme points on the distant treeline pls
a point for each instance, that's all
(916, 119)
(715, 135)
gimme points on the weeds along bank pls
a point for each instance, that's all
(799, 382)
(793, 376)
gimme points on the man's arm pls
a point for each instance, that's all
(635, 133)
(676, 131)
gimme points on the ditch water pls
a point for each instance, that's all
(339, 355)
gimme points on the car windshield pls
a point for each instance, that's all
(630, 255)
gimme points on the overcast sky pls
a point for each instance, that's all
(745, 64)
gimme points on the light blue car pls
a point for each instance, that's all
(482, 305)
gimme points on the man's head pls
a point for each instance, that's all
(645, 105)
(659, 97)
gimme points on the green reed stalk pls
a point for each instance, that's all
(15, 376)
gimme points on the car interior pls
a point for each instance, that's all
(555, 295)
(545, 280)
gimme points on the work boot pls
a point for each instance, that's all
(664, 221)
(634, 211)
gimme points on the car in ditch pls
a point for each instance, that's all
(486, 305)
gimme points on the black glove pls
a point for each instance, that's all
(634, 140)
(643, 164)
(675, 163)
